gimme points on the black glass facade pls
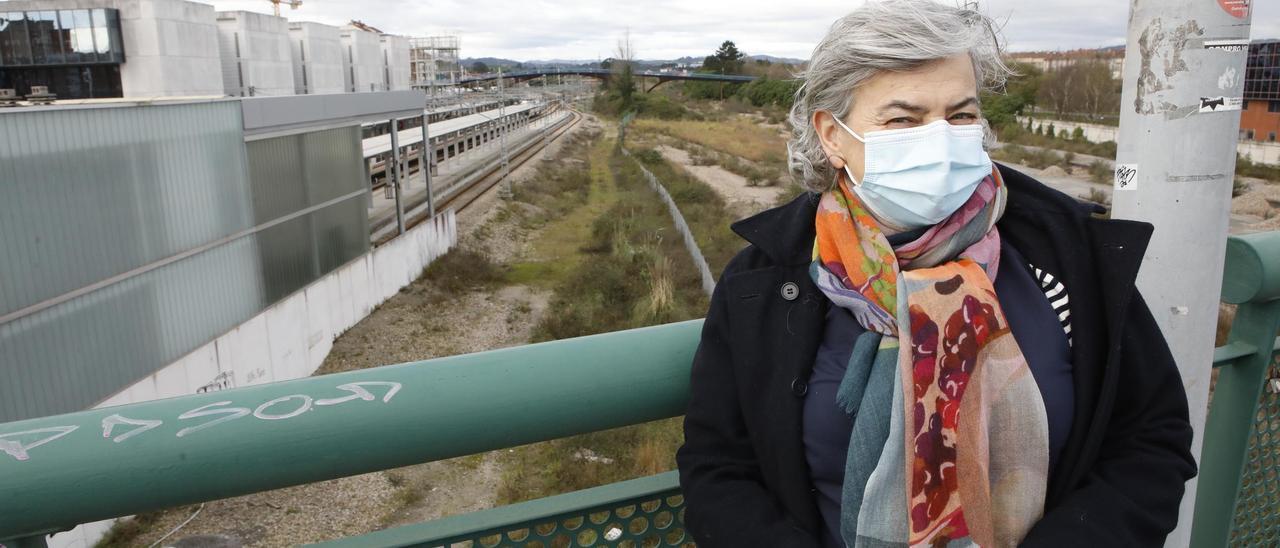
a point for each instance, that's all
(76, 53)
(1262, 77)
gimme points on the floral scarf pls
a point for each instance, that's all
(963, 458)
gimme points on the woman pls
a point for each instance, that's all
(928, 349)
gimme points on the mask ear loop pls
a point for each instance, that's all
(846, 128)
(852, 180)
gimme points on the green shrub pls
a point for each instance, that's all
(1248, 168)
(1101, 173)
(767, 92)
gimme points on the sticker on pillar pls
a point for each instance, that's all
(1126, 177)
(1227, 46)
(1237, 8)
(1220, 104)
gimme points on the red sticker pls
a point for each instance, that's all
(1237, 8)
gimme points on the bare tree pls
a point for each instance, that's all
(622, 67)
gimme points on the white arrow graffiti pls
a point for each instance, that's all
(18, 450)
(109, 423)
(358, 392)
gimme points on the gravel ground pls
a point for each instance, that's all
(420, 322)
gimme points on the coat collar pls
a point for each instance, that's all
(784, 233)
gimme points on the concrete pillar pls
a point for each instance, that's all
(1175, 162)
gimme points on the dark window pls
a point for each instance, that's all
(42, 27)
(67, 82)
(62, 37)
(1273, 106)
(1271, 137)
(1248, 134)
(1262, 72)
(80, 48)
(15, 46)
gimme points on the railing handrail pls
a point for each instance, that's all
(59, 471)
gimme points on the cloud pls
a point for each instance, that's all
(666, 29)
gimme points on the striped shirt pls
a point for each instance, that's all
(1057, 295)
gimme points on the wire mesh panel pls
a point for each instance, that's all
(639, 513)
(1256, 519)
(643, 523)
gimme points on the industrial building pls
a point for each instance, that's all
(88, 49)
(361, 59)
(256, 57)
(110, 48)
(317, 58)
(434, 60)
(1260, 120)
(395, 62)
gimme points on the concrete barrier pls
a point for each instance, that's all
(1255, 151)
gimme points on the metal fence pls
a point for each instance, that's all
(690, 244)
(1238, 493)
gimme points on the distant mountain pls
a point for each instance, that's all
(772, 59)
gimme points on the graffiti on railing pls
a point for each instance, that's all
(225, 380)
(19, 444)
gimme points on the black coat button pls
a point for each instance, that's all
(799, 387)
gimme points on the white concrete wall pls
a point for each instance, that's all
(1259, 152)
(316, 51)
(170, 46)
(255, 54)
(362, 60)
(290, 339)
(1096, 133)
(395, 58)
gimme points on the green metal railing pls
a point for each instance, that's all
(646, 512)
(56, 472)
(1238, 492)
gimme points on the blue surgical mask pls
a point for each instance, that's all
(917, 177)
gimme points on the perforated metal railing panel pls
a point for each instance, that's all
(1256, 519)
(649, 523)
(641, 513)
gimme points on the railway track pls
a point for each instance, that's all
(464, 193)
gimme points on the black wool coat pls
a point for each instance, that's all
(1120, 477)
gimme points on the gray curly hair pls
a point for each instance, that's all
(891, 35)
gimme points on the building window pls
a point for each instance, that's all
(60, 37)
(1248, 134)
(1273, 106)
(1271, 137)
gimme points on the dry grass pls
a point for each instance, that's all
(736, 136)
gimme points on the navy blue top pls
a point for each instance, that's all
(1035, 327)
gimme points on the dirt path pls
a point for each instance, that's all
(421, 322)
(741, 198)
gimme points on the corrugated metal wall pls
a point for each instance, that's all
(93, 196)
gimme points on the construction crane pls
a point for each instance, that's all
(293, 4)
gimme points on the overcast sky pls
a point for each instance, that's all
(666, 29)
